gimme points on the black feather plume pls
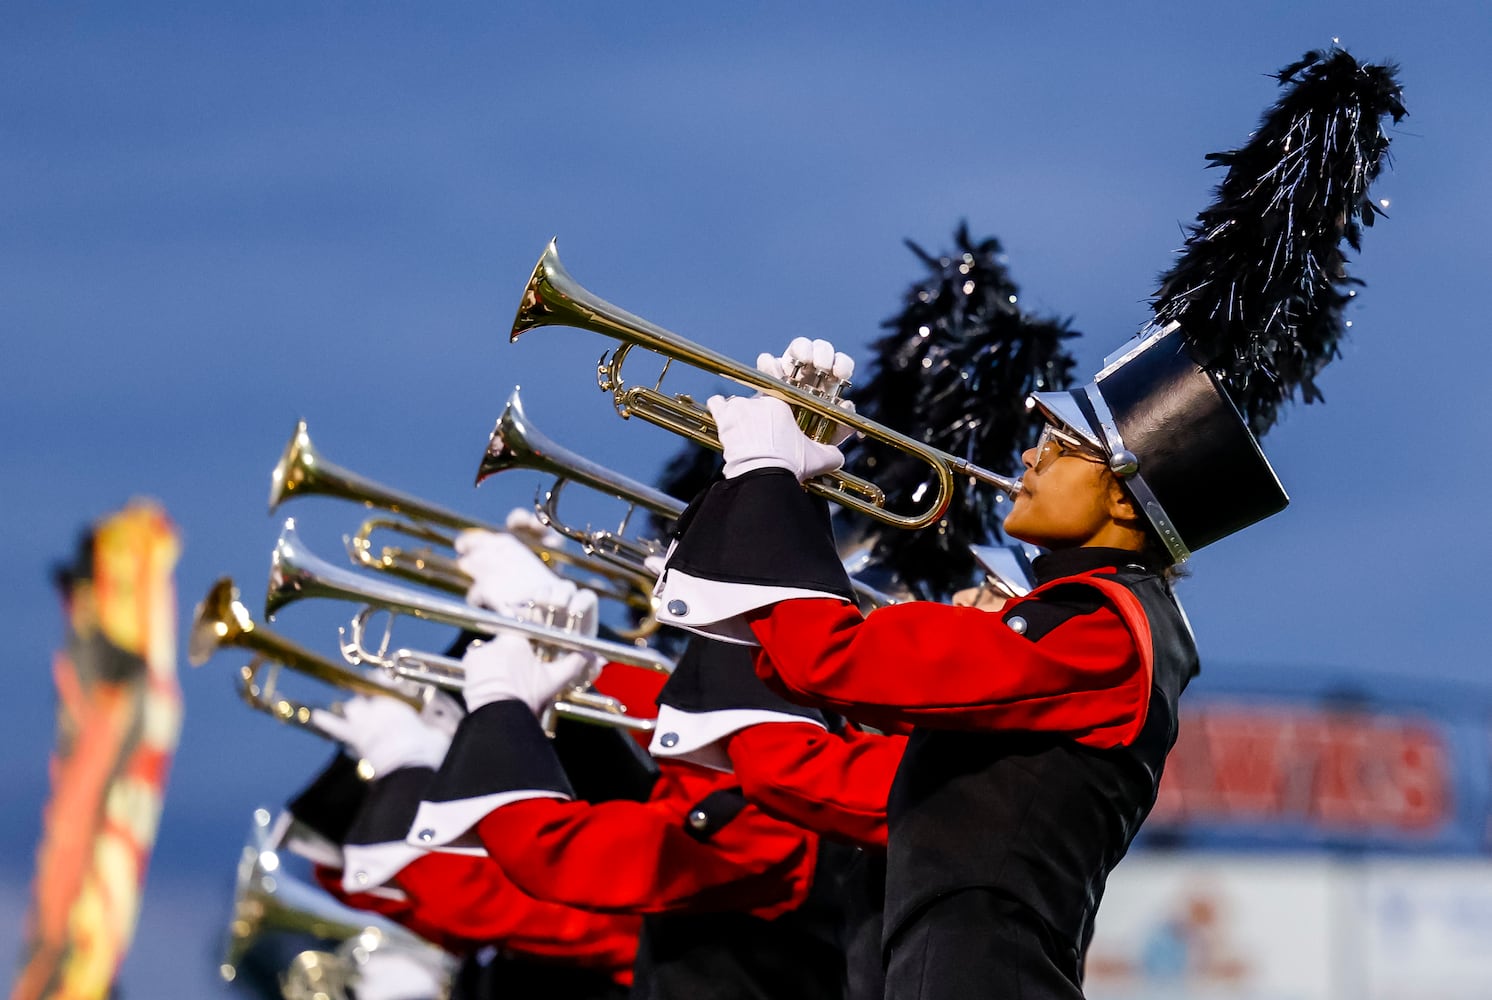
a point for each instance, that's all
(954, 372)
(1261, 285)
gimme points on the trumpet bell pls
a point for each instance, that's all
(296, 469)
(218, 620)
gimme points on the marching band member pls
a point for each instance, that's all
(1042, 723)
(463, 903)
(1022, 785)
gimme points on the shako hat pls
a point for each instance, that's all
(1248, 316)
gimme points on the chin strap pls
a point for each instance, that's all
(1128, 470)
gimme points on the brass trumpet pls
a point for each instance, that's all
(222, 620)
(303, 471)
(296, 573)
(553, 298)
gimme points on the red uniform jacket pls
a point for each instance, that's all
(833, 784)
(642, 857)
(463, 903)
(943, 667)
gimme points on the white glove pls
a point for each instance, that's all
(505, 575)
(761, 433)
(807, 363)
(507, 667)
(386, 733)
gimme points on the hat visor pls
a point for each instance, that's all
(1063, 409)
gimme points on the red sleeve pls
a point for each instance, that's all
(947, 667)
(330, 879)
(636, 857)
(462, 903)
(471, 898)
(833, 784)
(636, 688)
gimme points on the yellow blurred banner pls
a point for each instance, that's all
(118, 718)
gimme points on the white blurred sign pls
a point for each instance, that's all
(1279, 927)
(1425, 930)
(1214, 927)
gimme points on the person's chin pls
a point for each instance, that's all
(1015, 526)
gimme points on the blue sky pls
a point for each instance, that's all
(219, 219)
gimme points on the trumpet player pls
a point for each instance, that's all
(1023, 781)
(464, 903)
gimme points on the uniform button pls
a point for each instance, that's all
(427, 835)
(1017, 624)
(677, 608)
(669, 739)
(362, 878)
(698, 819)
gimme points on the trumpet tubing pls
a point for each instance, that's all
(516, 444)
(553, 298)
(448, 673)
(304, 471)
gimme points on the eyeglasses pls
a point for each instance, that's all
(1054, 443)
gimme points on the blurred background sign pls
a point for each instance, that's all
(1373, 767)
(118, 717)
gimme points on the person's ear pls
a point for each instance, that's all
(1121, 508)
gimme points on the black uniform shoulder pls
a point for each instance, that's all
(1036, 617)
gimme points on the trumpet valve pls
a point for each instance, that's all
(606, 376)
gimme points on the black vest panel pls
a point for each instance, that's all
(864, 894)
(734, 956)
(1039, 818)
(518, 977)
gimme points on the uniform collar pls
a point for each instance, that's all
(1085, 559)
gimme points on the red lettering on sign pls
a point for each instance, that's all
(1332, 770)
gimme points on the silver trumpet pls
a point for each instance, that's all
(517, 444)
(296, 573)
(577, 701)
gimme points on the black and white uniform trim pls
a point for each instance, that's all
(499, 755)
(712, 694)
(753, 555)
